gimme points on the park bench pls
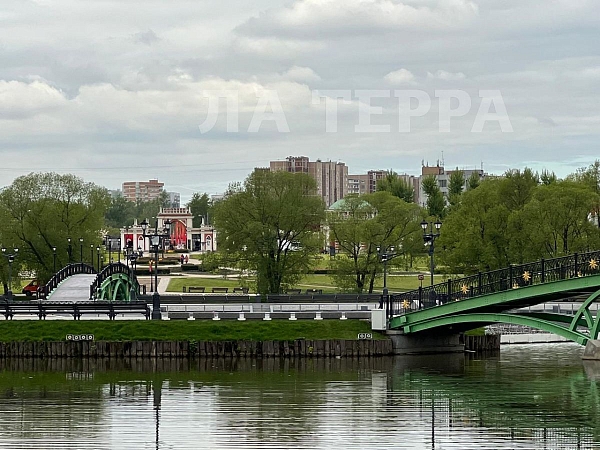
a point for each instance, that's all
(74, 309)
(293, 291)
(240, 290)
(194, 288)
(314, 291)
(223, 290)
(111, 309)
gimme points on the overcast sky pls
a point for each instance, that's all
(116, 90)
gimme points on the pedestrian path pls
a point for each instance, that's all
(76, 288)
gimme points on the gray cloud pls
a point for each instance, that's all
(112, 90)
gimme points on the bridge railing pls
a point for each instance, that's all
(482, 283)
(110, 270)
(61, 275)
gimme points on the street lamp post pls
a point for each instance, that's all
(431, 231)
(92, 255)
(70, 250)
(10, 257)
(98, 257)
(385, 254)
(54, 257)
(132, 257)
(156, 238)
(119, 251)
(109, 246)
(81, 250)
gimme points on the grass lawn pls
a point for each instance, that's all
(199, 330)
(177, 284)
(395, 283)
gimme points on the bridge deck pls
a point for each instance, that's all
(76, 288)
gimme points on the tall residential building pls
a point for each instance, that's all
(143, 191)
(174, 199)
(442, 177)
(331, 177)
(367, 183)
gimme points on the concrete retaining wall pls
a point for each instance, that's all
(186, 349)
(533, 338)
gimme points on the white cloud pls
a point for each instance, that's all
(330, 17)
(19, 100)
(446, 76)
(401, 76)
(88, 88)
(301, 74)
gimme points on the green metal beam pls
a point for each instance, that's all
(584, 311)
(117, 287)
(538, 291)
(487, 318)
(553, 317)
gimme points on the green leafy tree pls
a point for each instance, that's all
(548, 177)
(120, 212)
(40, 211)
(516, 188)
(557, 220)
(200, 205)
(455, 186)
(436, 203)
(272, 222)
(366, 222)
(474, 235)
(474, 181)
(590, 176)
(397, 186)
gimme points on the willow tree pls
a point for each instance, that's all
(270, 225)
(41, 211)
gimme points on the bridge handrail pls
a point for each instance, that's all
(61, 275)
(110, 270)
(507, 278)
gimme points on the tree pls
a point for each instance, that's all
(272, 222)
(200, 206)
(590, 176)
(366, 222)
(474, 235)
(120, 212)
(517, 187)
(397, 186)
(557, 220)
(473, 181)
(455, 186)
(436, 203)
(548, 177)
(41, 210)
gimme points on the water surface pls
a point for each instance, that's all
(528, 397)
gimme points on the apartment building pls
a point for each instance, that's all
(331, 177)
(442, 177)
(367, 183)
(143, 191)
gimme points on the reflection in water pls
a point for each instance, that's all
(535, 397)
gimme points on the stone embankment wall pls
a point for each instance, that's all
(485, 343)
(186, 349)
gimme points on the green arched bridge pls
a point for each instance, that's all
(496, 297)
(80, 282)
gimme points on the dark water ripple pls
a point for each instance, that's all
(529, 397)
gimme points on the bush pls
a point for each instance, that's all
(190, 268)
(323, 271)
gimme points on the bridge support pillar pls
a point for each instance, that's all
(425, 344)
(592, 350)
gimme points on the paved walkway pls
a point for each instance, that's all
(76, 288)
